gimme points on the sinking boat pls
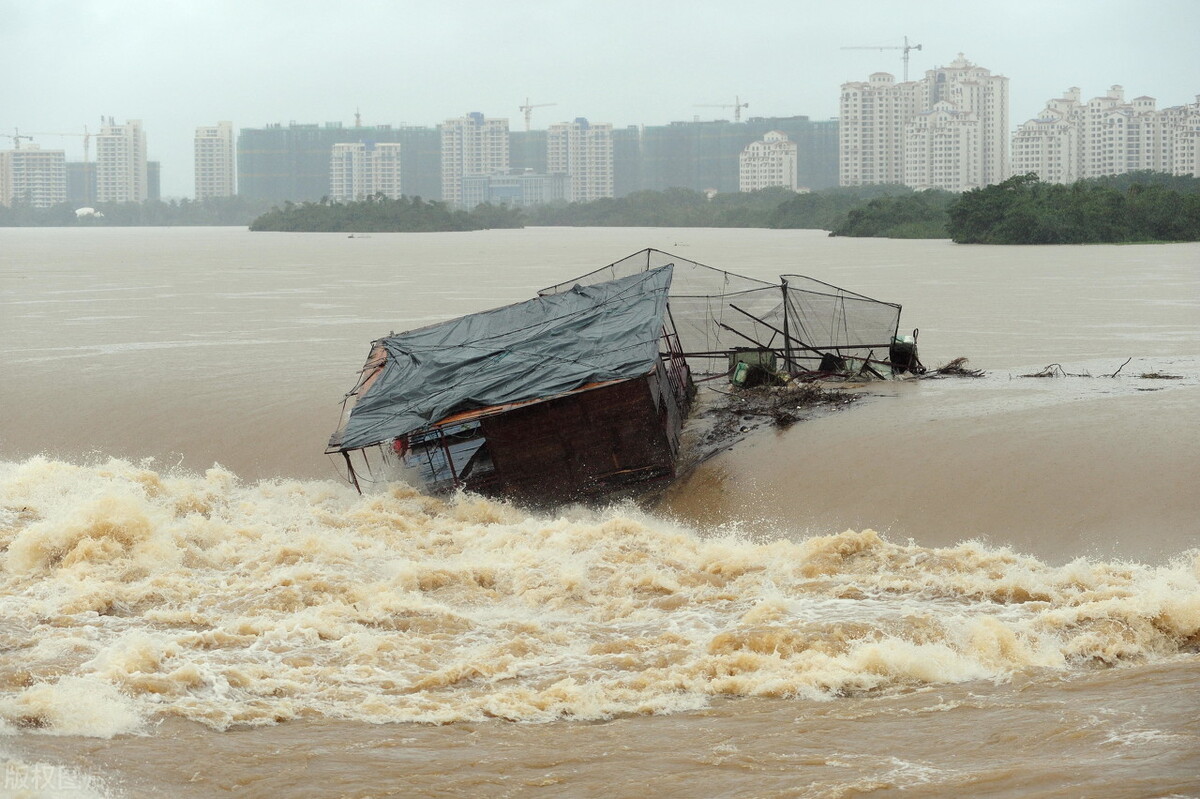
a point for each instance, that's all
(581, 393)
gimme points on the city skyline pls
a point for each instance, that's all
(185, 65)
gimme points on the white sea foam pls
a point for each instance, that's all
(131, 594)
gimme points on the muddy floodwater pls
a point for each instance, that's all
(985, 587)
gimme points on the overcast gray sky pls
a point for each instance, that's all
(177, 64)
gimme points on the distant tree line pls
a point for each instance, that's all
(1023, 210)
(215, 211)
(377, 214)
(670, 208)
(767, 208)
(1136, 206)
(911, 215)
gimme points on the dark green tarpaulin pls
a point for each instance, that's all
(538, 348)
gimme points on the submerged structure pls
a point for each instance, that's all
(582, 392)
(574, 395)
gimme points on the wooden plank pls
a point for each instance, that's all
(581, 445)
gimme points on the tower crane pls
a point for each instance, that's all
(87, 140)
(737, 107)
(16, 138)
(528, 110)
(906, 47)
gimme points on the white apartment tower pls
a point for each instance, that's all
(363, 169)
(1071, 140)
(1183, 125)
(948, 130)
(471, 145)
(770, 162)
(121, 163)
(871, 129)
(1049, 145)
(584, 153)
(216, 161)
(971, 89)
(942, 149)
(32, 176)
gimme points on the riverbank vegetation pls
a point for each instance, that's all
(1133, 207)
(669, 208)
(378, 214)
(769, 208)
(217, 211)
(1024, 210)
(915, 215)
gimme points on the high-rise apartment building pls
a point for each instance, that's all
(584, 153)
(769, 162)
(154, 180)
(873, 114)
(471, 145)
(121, 163)
(215, 161)
(703, 155)
(81, 182)
(527, 151)
(363, 169)
(942, 150)
(517, 189)
(1049, 145)
(292, 162)
(34, 177)
(947, 130)
(1071, 140)
(1183, 122)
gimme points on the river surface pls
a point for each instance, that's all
(965, 586)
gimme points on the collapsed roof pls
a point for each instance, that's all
(605, 325)
(535, 349)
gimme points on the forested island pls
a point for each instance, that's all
(377, 214)
(1133, 207)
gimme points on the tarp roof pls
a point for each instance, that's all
(538, 348)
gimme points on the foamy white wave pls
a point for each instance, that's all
(72, 705)
(131, 594)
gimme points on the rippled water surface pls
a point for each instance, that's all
(951, 587)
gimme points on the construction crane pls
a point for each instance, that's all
(528, 111)
(737, 107)
(87, 140)
(16, 138)
(906, 47)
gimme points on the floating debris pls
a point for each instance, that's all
(956, 368)
(1054, 370)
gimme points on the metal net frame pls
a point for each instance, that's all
(800, 318)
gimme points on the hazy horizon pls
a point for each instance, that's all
(177, 66)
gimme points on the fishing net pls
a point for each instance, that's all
(801, 318)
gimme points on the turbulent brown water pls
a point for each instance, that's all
(951, 587)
